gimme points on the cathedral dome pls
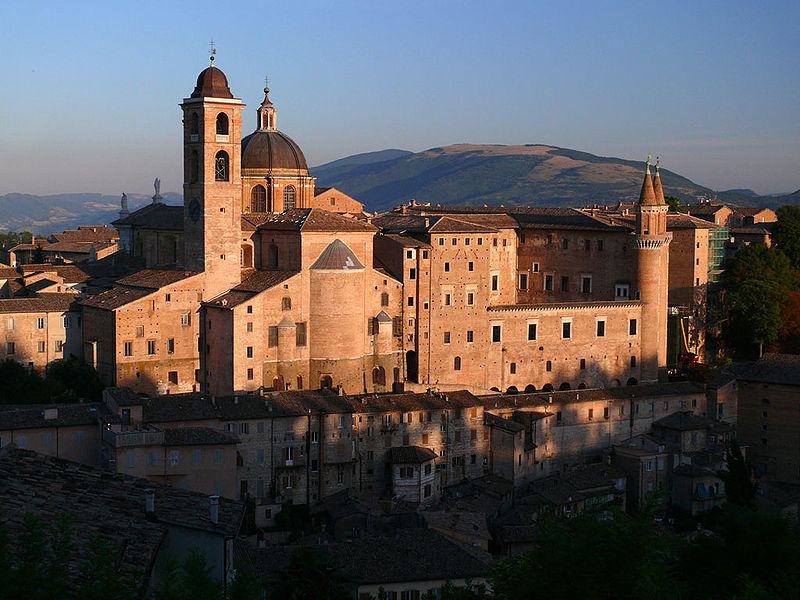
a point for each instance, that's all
(212, 83)
(269, 150)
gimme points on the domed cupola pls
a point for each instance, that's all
(212, 83)
(267, 150)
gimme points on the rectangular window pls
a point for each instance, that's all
(564, 283)
(441, 241)
(447, 299)
(548, 366)
(151, 347)
(249, 309)
(548, 282)
(583, 363)
(591, 414)
(535, 267)
(186, 319)
(171, 346)
(467, 241)
(633, 361)
(513, 368)
(411, 300)
(495, 283)
(250, 374)
(11, 324)
(315, 437)
(566, 330)
(601, 329)
(424, 254)
(496, 332)
(446, 337)
(470, 298)
(41, 346)
(218, 457)
(412, 273)
(272, 336)
(531, 332)
(195, 457)
(586, 284)
(127, 349)
(10, 348)
(622, 291)
(470, 266)
(447, 267)
(470, 336)
(565, 244)
(600, 244)
(632, 327)
(523, 281)
(41, 323)
(173, 377)
(59, 346)
(409, 254)
(67, 322)
(140, 331)
(455, 241)
(300, 334)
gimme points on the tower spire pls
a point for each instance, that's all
(648, 194)
(657, 189)
(213, 50)
(267, 115)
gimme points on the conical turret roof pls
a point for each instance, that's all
(659, 191)
(648, 195)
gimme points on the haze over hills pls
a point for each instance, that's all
(470, 174)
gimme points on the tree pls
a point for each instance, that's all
(738, 477)
(309, 575)
(71, 380)
(674, 204)
(196, 579)
(19, 385)
(787, 232)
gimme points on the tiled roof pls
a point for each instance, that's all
(313, 219)
(87, 234)
(39, 304)
(451, 225)
(409, 555)
(155, 216)
(773, 368)
(198, 436)
(178, 407)
(409, 402)
(682, 221)
(287, 403)
(406, 240)
(678, 388)
(105, 505)
(69, 273)
(115, 298)
(337, 256)
(54, 415)
(505, 424)
(410, 455)
(255, 283)
(684, 421)
(320, 190)
(155, 279)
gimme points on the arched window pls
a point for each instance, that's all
(194, 124)
(272, 257)
(222, 124)
(378, 376)
(457, 363)
(565, 386)
(326, 381)
(286, 303)
(221, 166)
(529, 389)
(277, 383)
(384, 299)
(194, 168)
(258, 199)
(512, 390)
(289, 197)
(548, 387)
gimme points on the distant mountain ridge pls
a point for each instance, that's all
(472, 174)
(533, 174)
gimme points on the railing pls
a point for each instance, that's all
(125, 439)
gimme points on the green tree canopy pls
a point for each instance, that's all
(787, 232)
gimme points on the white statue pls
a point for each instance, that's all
(157, 185)
(124, 202)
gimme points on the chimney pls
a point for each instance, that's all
(150, 503)
(50, 414)
(214, 506)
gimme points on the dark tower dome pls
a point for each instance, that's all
(212, 83)
(269, 150)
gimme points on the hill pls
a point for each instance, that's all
(54, 213)
(532, 174)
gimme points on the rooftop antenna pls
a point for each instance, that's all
(213, 51)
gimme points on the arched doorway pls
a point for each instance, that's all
(512, 390)
(530, 388)
(277, 383)
(548, 387)
(378, 376)
(326, 381)
(565, 386)
(412, 366)
(632, 381)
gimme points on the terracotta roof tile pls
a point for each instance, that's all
(410, 455)
(313, 219)
(54, 415)
(198, 436)
(154, 279)
(39, 304)
(115, 298)
(155, 216)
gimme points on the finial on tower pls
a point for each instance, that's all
(266, 84)
(213, 49)
(648, 163)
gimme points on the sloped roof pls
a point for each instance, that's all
(45, 302)
(313, 219)
(772, 368)
(683, 421)
(337, 257)
(155, 279)
(198, 436)
(451, 225)
(683, 221)
(410, 455)
(115, 298)
(14, 416)
(154, 216)
(105, 505)
(88, 233)
(255, 283)
(69, 273)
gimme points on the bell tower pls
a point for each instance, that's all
(651, 243)
(212, 125)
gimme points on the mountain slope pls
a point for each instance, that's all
(510, 175)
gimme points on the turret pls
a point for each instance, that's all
(652, 269)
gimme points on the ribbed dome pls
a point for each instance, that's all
(270, 150)
(212, 83)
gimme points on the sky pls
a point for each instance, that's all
(91, 91)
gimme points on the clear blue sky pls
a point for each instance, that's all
(91, 89)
